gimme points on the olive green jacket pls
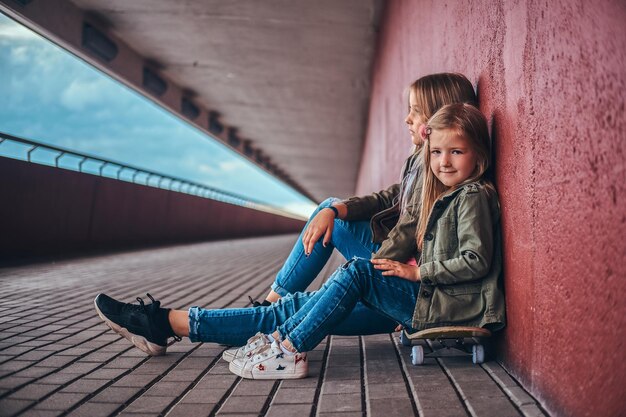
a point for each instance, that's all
(461, 262)
(395, 231)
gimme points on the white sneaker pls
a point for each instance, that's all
(270, 362)
(253, 343)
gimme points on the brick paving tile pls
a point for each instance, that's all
(341, 387)
(14, 381)
(179, 376)
(343, 372)
(105, 373)
(247, 404)
(216, 381)
(289, 410)
(186, 410)
(294, 396)
(80, 368)
(254, 387)
(57, 378)
(115, 395)
(123, 363)
(12, 406)
(386, 391)
(34, 391)
(127, 414)
(310, 382)
(60, 401)
(13, 366)
(150, 404)
(203, 396)
(90, 409)
(239, 414)
(166, 388)
(85, 385)
(445, 410)
(35, 412)
(130, 380)
(32, 355)
(340, 403)
(493, 407)
(399, 407)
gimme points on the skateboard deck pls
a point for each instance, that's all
(465, 340)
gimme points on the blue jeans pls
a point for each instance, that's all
(350, 238)
(233, 326)
(354, 283)
(356, 300)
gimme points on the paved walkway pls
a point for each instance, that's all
(58, 359)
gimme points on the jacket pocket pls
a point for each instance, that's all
(446, 239)
(458, 304)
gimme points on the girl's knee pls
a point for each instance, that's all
(328, 202)
(361, 265)
(358, 269)
(324, 204)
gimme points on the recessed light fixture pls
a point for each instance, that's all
(248, 150)
(233, 138)
(98, 43)
(189, 109)
(153, 83)
(215, 126)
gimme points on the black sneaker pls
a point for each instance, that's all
(134, 322)
(255, 303)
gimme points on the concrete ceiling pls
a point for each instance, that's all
(292, 76)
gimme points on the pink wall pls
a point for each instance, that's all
(551, 81)
(50, 211)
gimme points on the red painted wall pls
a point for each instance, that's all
(50, 211)
(551, 81)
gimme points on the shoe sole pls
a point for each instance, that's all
(140, 342)
(227, 356)
(236, 369)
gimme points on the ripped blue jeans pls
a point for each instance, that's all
(350, 238)
(356, 300)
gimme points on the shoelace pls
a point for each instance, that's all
(254, 338)
(142, 306)
(149, 310)
(262, 351)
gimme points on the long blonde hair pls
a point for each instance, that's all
(470, 123)
(431, 93)
(436, 90)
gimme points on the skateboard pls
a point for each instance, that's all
(466, 340)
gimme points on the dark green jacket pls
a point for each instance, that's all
(395, 231)
(461, 263)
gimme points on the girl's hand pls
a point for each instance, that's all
(398, 269)
(321, 224)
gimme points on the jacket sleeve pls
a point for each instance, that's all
(475, 239)
(401, 243)
(363, 208)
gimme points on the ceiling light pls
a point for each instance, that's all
(98, 43)
(153, 83)
(189, 109)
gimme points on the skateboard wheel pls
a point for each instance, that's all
(404, 340)
(417, 355)
(478, 354)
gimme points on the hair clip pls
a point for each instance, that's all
(424, 131)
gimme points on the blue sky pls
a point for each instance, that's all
(50, 96)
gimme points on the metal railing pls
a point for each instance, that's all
(163, 181)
